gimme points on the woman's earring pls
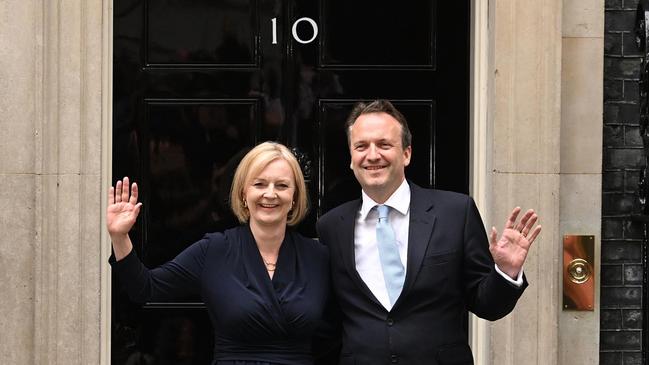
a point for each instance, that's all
(245, 204)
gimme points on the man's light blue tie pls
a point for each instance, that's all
(393, 271)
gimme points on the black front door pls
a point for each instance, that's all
(197, 83)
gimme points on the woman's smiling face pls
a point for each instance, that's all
(269, 195)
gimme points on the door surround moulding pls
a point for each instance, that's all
(478, 143)
(106, 173)
(478, 177)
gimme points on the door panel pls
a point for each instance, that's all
(202, 33)
(366, 34)
(197, 83)
(188, 168)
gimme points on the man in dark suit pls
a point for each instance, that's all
(407, 262)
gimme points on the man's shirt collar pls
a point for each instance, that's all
(399, 200)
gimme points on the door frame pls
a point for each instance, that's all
(480, 100)
(106, 180)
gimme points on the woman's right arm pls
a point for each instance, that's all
(176, 278)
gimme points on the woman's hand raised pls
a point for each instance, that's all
(123, 208)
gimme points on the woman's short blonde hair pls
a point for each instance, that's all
(252, 164)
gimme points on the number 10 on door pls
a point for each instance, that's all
(311, 22)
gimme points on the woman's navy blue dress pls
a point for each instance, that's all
(255, 319)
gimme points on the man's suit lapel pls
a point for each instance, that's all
(422, 222)
(345, 235)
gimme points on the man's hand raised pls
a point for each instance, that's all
(510, 250)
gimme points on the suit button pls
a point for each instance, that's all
(394, 359)
(390, 321)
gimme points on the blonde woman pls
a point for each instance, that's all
(264, 285)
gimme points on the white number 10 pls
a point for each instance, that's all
(294, 30)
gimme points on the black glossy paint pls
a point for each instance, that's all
(197, 83)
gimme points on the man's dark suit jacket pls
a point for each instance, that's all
(450, 270)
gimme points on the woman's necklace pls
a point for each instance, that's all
(270, 266)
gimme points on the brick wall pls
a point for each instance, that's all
(621, 276)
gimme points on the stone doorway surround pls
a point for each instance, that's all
(536, 142)
(54, 71)
(540, 147)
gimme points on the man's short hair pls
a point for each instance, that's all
(379, 106)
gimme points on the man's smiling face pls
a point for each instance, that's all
(378, 158)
